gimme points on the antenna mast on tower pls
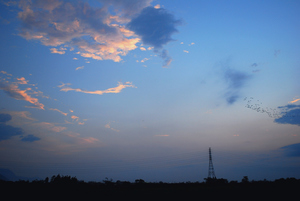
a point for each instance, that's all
(211, 171)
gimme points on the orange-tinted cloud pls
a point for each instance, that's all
(295, 100)
(56, 51)
(13, 91)
(74, 117)
(117, 89)
(54, 109)
(108, 126)
(22, 80)
(71, 23)
(49, 126)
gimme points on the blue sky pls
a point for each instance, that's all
(141, 89)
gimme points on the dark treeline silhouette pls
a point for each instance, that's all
(67, 187)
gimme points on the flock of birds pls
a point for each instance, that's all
(276, 113)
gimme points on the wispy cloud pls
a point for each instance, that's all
(57, 110)
(117, 89)
(235, 81)
(185, 51)
(49, 126)
(109, 126)
(295, 100)
(5, 73)
(164, 54)
(145, 59)
(11, 88)
(13, 91)
(276, 52)
(79, 68)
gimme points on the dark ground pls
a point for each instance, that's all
(66, 187)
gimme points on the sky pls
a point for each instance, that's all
(140, 89)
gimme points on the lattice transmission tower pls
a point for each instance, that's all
(211, 171)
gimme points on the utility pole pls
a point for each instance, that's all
(211, 171)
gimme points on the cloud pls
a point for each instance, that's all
(108, 126)
(79, 68)
(145, 59)
(22, 80)
(56, 51)
(185, 51)
(235, 81)
(49, 127)
(254, 65)
(30, 138)
(157, 6)
(80, 140)
(166, 57)
(95, 32)
(292, 150)
(5, 117)
(290, 115)
(54, 109)
(155, 26)
(142, 48)
(8, 131)
(295, 100)
(5, 73)
(276, 52)
(74, 117)
(117, 89)
(127, 8)
(13, 91)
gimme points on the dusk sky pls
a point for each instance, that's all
(140, 89)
